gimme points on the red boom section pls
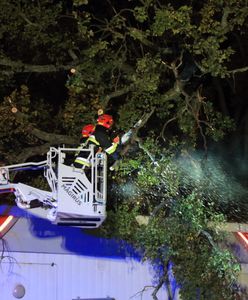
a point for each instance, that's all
(6, 222)
(9, 190)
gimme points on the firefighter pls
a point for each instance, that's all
(102, 137)
(81, 157)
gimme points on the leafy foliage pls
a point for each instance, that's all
(180, 225)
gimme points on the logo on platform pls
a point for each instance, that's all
(71, 194)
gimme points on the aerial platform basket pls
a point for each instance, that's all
(77, 197)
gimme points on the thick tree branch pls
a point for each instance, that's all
(239, 70)
(32, 151)
(52, 138)
(20, 67)
(134, 138)
(164, 280)
(116, 94)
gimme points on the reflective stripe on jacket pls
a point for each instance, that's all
(92, 139)
(111, 149)
(81, 161)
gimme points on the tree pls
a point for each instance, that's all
(172, 216)
(166, 60)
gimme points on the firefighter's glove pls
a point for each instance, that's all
(116, 140)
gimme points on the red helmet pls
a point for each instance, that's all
(105, 120)
(87, 130)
